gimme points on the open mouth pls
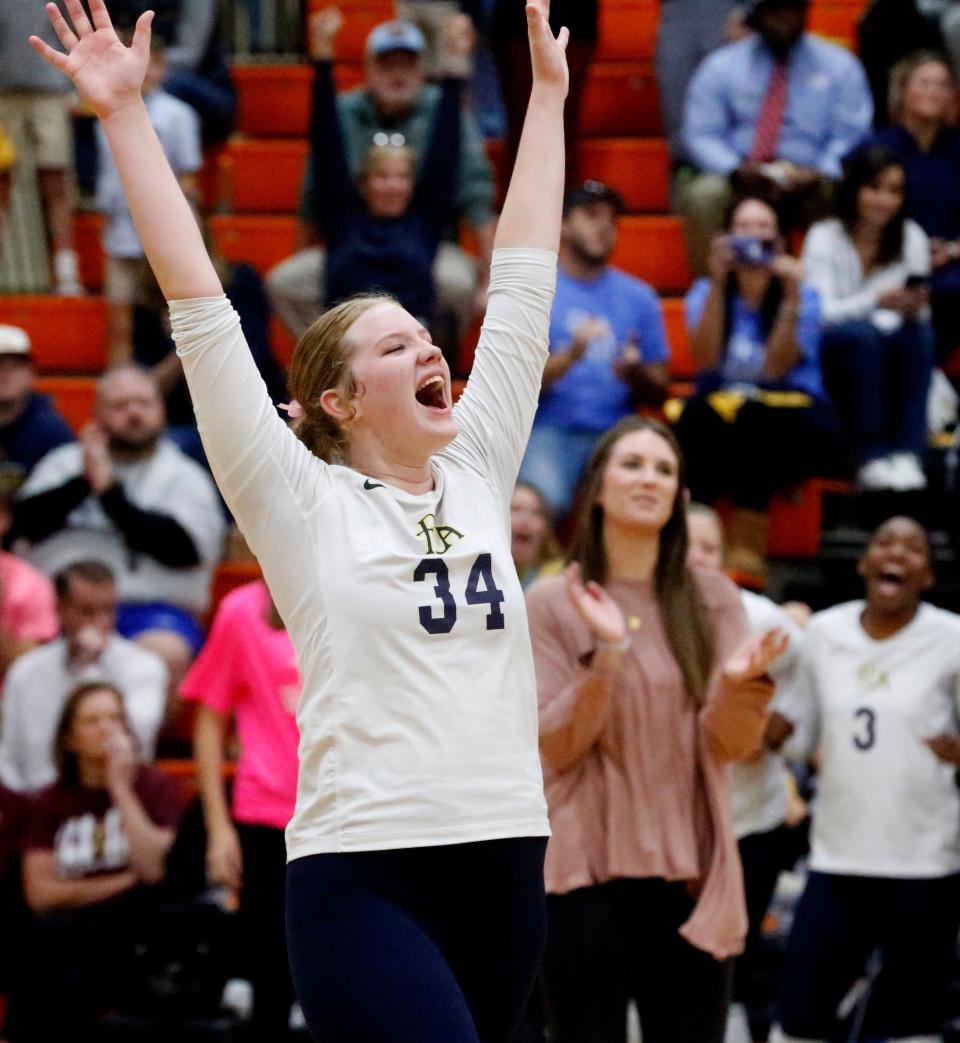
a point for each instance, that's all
(890, 580)
(432, 393)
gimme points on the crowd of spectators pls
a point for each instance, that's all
(821, 198)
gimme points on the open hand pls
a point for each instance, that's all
(547, 53)
(595, 607)
(107, 74)
(752, 660)
(459, 36)
(323, 27)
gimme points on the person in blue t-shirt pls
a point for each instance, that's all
(760, 420)
(30, 426)
(608, 347)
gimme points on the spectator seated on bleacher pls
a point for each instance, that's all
(28, 614)
(760, 420)
(126, 495)
(33, 109)
(533, 545)
(89, 649)
(922, 104)
(127, 275)
(30, 426)
(608, 347)
(396, 102)
(871, 265)
(95, 848)
(431, 18)
(384, 229)
(771, 115)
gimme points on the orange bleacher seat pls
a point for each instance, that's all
(262, 175)
(281, 342)
(651, 247)
(73, 397)
(361, 17)
(638, 167)
(627, 30)
(837, 20)
(227, 576)
(796, 518)
(87, 238)
(260, 240)
(68, 334)
(274, 100)
(682, 366)
(620, 99)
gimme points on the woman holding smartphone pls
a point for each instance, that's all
(871, 265)
(760, 420)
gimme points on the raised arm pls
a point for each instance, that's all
(531, 211)
(109, 77)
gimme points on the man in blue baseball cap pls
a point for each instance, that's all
(397, 105)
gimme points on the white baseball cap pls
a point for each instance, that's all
(14, 341)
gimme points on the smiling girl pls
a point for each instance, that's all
(647, 691)
(415, 905)
(876, 697)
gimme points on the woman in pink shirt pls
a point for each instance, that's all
(247, 671)
(647, 690)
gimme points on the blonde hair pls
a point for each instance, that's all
(321, 362)
(373, 156)
(900, 76)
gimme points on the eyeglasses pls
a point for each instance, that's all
(381, 139)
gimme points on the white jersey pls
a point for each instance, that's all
(886, 804)
(418, 717)
(759, 786)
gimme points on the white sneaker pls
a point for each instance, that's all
(877, 474)
(907, 474)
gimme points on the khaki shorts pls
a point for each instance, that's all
(126, 280)
(42, 119)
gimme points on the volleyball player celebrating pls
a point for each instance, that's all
(415, 888)
(880, 682)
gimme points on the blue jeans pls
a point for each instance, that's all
(879, 382)
(554, 461)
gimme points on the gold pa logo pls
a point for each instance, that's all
(439, 538)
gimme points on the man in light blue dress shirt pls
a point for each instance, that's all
(825, 111)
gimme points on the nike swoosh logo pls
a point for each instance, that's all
(372, 485)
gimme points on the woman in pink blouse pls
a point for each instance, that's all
(648, 689)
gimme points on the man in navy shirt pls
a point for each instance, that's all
(608, 347)
(30, 426)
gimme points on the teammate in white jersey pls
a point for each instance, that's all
(876, 695)
(415, 904)
(762, 793)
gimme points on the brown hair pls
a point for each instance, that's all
(549, 548)
(900, 76)
(322, 361)
(684, 614)
(64, 759)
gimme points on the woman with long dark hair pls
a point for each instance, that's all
(647, 690)
(760, 420)
(871, 265)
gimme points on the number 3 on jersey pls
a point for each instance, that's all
(866, 734)
(481, 590)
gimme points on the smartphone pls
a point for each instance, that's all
(918, 282)
(749, 250)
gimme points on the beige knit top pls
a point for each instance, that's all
(642, 790)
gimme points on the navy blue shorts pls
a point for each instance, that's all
(423, 945)
(842, 919)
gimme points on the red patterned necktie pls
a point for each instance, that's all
(770, 120)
